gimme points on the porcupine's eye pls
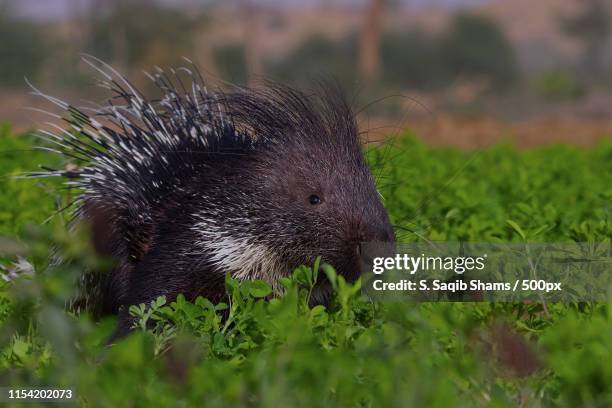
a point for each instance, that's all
(314, 199)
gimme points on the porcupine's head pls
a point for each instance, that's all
(306, 191)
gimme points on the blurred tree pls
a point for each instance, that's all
(475, 48)
(558, 84)
(369, 46)
(77, 24)
(141, 33)
(252, 57)
(591, 26)
(23, 48)
(230, 63)
(318, 55)
(412, 59)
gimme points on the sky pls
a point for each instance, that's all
(58, 9)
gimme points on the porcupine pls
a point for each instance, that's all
(199, 183)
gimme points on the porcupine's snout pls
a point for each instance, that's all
(377, 232)
(372, 222)
(370, 228)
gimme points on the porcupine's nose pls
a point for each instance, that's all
(369, 224)
(375, 239)
(377, 229)
(374, 232)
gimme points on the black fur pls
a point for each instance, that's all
(172, 178)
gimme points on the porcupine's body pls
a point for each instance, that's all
(199, 184)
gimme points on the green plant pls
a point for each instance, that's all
(254, 350)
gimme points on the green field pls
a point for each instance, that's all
(356, 353)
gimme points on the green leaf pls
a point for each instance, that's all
(20, 348)
(517, 228)
(331, 274)
(259, 289)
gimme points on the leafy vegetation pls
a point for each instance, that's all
(280, 352)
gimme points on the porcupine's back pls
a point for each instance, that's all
(136, 157)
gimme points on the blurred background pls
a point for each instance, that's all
(465, 73)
